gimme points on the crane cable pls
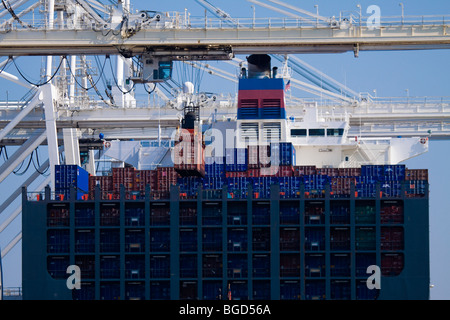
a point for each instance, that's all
(116, 82)
(13, 14)
(94, 84)
(37, 84)
(16, 172)
(38, 164)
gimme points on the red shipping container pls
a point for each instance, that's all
(258, 156)
(277, 171)
(264, 156)
(416, 174)
(139, 180)
(253, 173)
(304, 170)
(236, 174)
(331, 172)
(253, 158)
(391, 214)
(123, 176)
(105, 183)
(391, 238)
(349, 172)
(342, 186)
(190, 158)
(391, 264)
(269, 171)
(285, 171)
(166, 176)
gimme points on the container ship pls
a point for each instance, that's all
(283, 211)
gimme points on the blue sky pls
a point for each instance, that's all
(423, 73)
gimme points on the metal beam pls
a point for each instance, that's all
(14, 215)
(22, 114)
(13, 7)
(20, 155)
(211, 41)
(50, 125)
(315, 16)
(18, 191)
(11, 245)
(321, 91)
(268, 6)
(14, 79)
(91, 12)
(71, 146)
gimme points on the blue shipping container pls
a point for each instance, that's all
(236, 159)
(71, 176)
(283, 153)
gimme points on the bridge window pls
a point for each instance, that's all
(335, 132)
(316, 132)
(298, 132)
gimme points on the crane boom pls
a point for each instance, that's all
(212, 40)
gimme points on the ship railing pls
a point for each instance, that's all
(35, 196)
(403, 189)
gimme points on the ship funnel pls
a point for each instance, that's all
(259, 66)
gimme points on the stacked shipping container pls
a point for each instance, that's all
(71, 176)
(314, 181)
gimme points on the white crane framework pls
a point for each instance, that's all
(58, 111)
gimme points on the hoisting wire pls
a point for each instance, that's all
(90, 80)
(38, 164)
(13, 14)
(26, 169)
(150, 92)
(38, 84)
(115, 80)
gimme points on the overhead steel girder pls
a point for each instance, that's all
(215, 43)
